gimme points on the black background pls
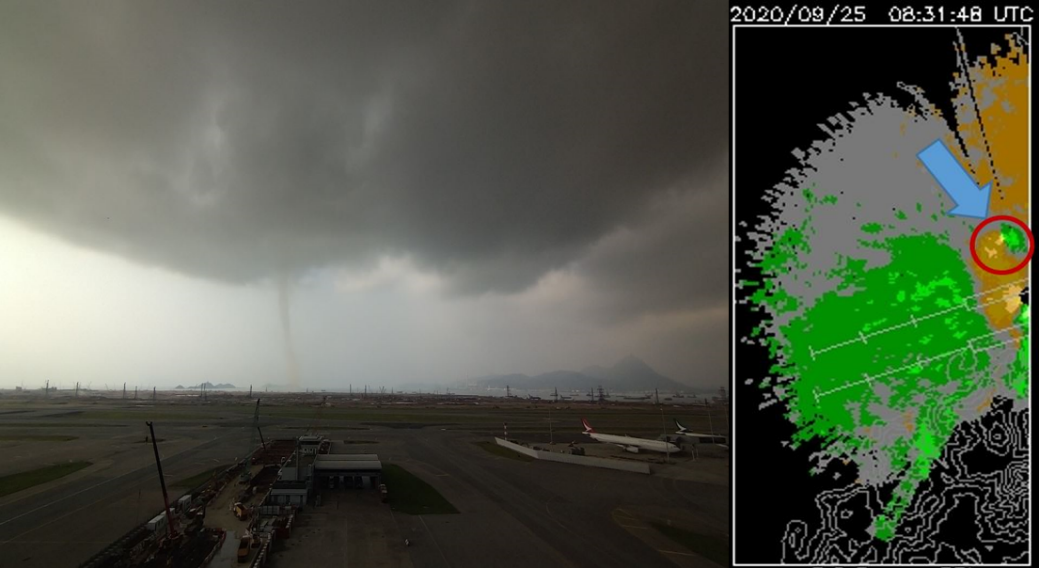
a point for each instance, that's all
(788, 80)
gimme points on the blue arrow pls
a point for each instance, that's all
(956, 181)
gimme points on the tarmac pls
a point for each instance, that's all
(350, 528)
(541, 514)
(513, 513)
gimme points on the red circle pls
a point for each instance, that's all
(1008, 218)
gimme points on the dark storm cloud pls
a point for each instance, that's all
(491, 141)
(672, 257)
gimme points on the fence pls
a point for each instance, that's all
(588, 461)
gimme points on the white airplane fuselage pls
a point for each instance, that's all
(635, 444)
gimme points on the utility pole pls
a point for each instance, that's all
(77, 388)
(508, 393)
(656, 393)
(154, 394)
(667, 445)
(709, 415)
(135, 393)
(250, 391)
(555, 394)
(124, 391)
(551, 436)
(47, 393)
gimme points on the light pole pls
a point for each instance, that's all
(709, 420)
(667, 445)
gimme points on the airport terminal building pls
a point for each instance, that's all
(362, 471)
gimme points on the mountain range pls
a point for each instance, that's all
(209, 386)
(628, 374)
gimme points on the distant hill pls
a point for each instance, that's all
(209, 386)
(628, 374)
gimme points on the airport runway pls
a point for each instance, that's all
(534, 513)
(514, 514)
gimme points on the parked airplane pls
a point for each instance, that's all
(629, 443)
(694, 438)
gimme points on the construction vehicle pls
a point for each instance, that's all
(198, 511)
(241, 512)
(243, 549)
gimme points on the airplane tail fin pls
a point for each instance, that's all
(587, 427)
(680, 427)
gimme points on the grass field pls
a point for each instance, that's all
(517, 417)
(497, 450)
(713, 548)
(409, 494)
(58, 425)
(19, 481)
(198, 478)
(143, 414)
(36, 438)
(488, 414)
(333, 427)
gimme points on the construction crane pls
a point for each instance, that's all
(252, 443)
(162, 482)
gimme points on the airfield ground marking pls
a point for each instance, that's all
(433, 538)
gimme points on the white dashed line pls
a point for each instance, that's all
(914, 321)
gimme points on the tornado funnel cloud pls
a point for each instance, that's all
(291, 366)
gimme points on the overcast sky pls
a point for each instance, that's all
(415, 191)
